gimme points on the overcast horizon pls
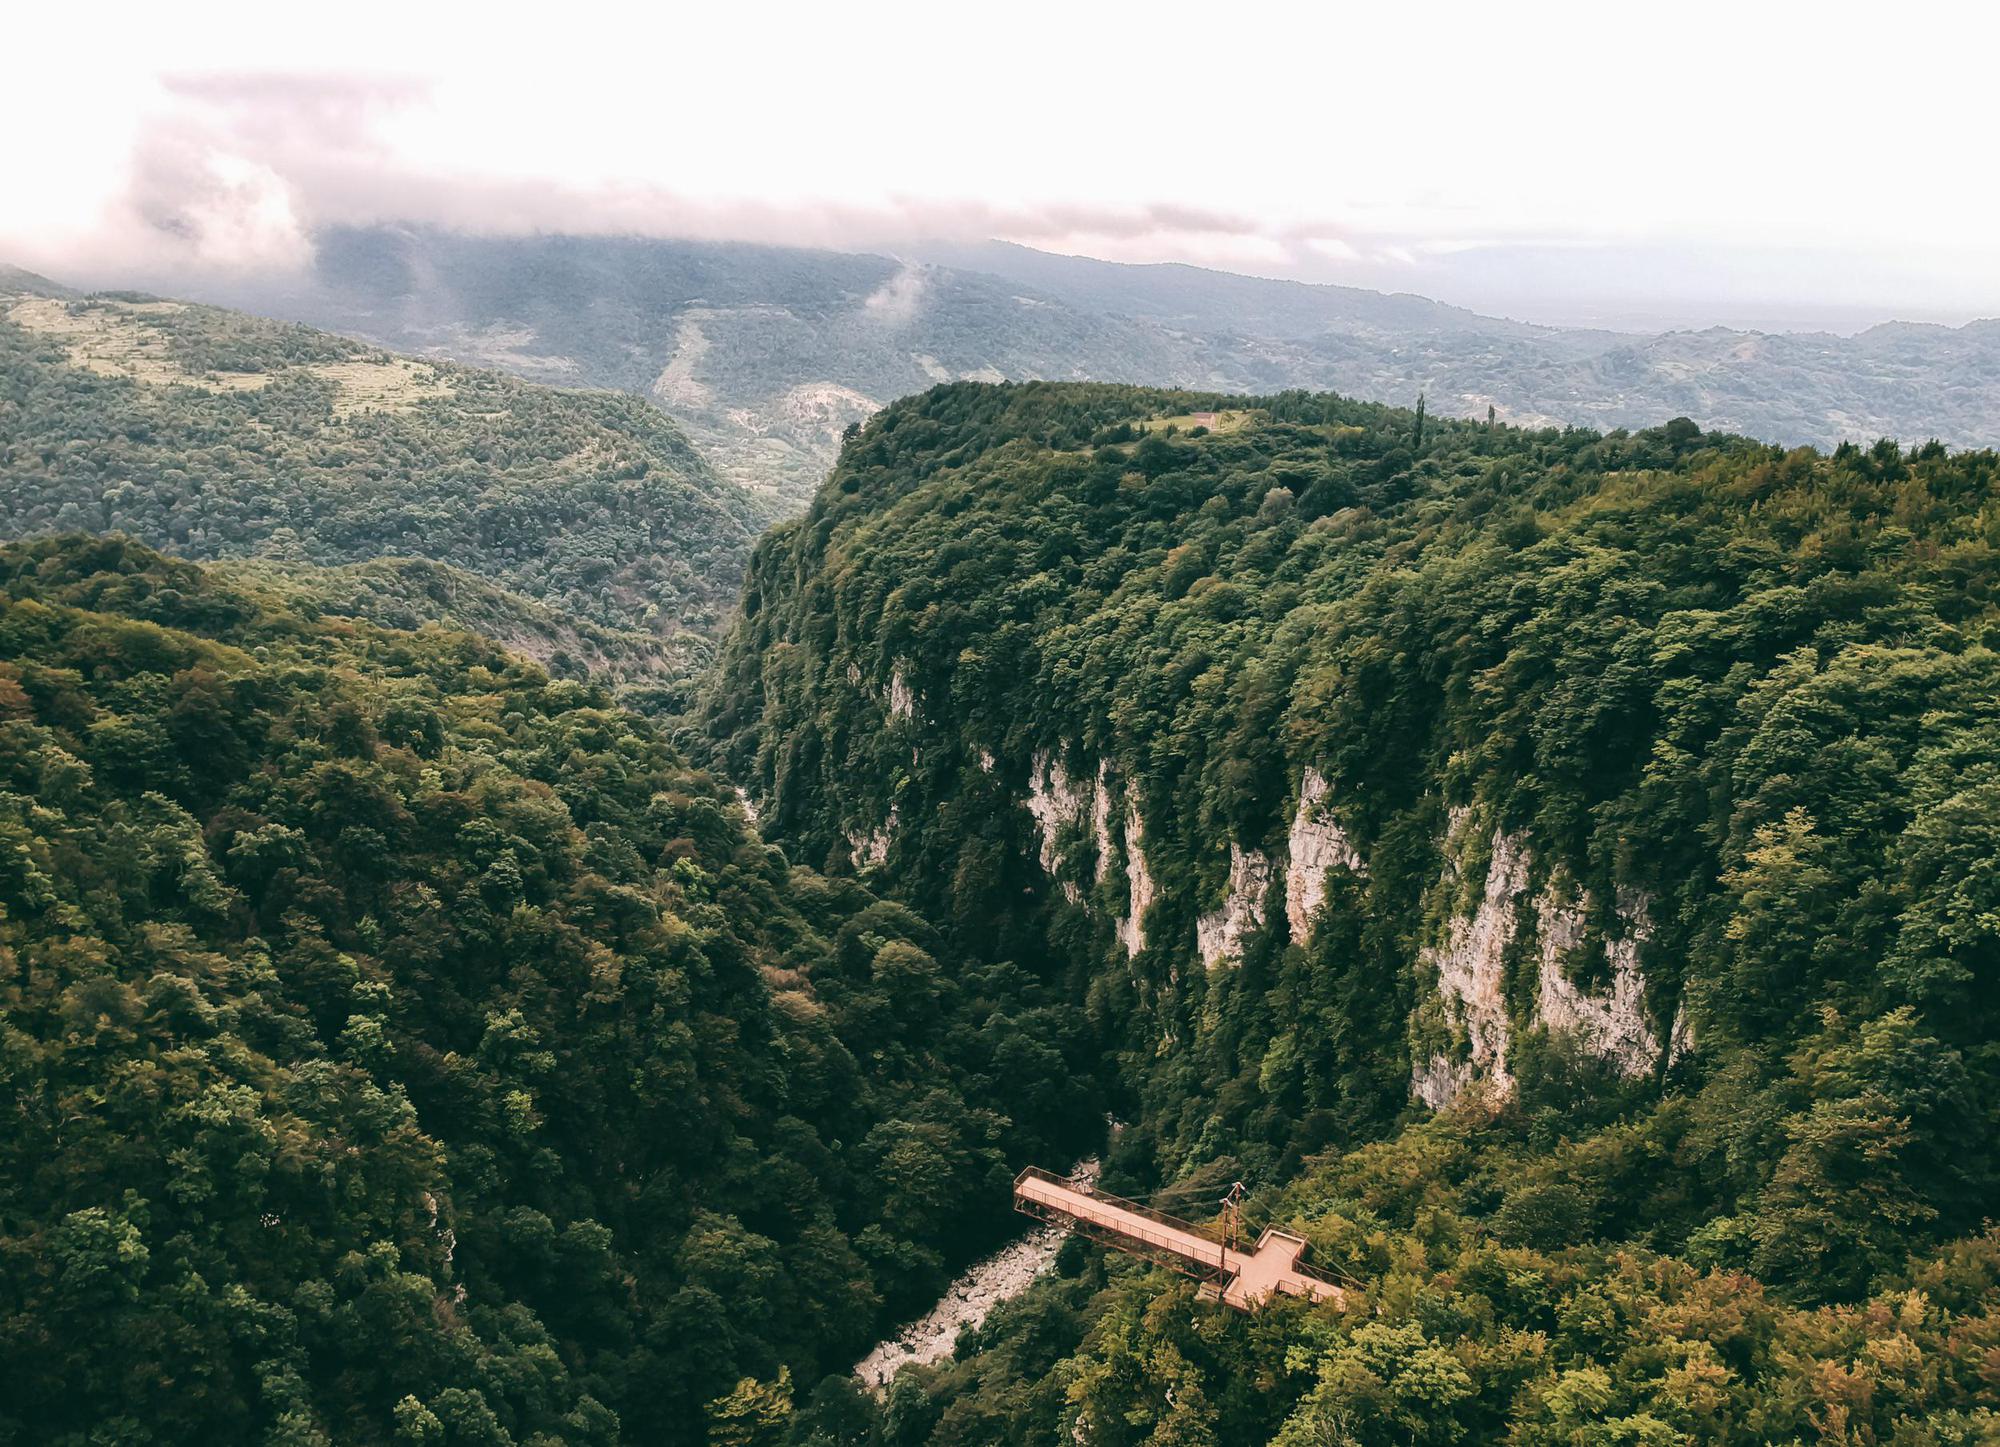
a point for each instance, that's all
(1770, 169)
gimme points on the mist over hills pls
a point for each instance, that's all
(718, 733)
(1203, 299)
(766, 354)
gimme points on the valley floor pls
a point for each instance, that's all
(968, 1300)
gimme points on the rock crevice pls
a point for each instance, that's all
(1470, 962)
(1140, 884)
(1610, 1024)
(1063, 806)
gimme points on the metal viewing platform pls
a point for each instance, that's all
(1237, 1278)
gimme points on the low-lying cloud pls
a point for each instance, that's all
(235, 172)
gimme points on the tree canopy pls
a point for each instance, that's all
(222, 436)
(401, 1044)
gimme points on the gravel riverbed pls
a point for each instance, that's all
(968, 1300)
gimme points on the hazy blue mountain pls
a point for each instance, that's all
(766, 354)
(20, 281)
(1203, 299)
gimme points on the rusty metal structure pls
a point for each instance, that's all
(1235, 1277)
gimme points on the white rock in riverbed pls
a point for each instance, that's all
(968, 1301)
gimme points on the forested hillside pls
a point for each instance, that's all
(1556, 870)
(219, 435)
(765, 354)
(398, 1044)
(654, 672)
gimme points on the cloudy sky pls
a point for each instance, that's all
(1760, 163)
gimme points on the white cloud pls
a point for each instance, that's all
(895, 302)
(1376, 144)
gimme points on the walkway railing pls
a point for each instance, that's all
(1121, 1202)
(1180, 1244)
(1176, 1243)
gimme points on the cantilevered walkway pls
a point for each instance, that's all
(1239, 1278)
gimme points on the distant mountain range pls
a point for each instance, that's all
(579, 527)
(766, 354)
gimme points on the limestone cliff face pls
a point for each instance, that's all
(1469, 966)
(1066, 806)
(1219, 935)
(1132, 929)
(1503, 926)
(869, 848)
(1316, 846)
(1611, 1024)
(1058, 801)
(901, 702)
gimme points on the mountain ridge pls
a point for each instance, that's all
(227, 436)
(767, 354)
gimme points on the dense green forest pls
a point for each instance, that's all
(400, 1044)
(653, 672)
(1556, 870)
(222, 436)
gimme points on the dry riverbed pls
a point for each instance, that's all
(968, 1300)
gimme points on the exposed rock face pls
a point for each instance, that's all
(1613, 1025)
(1132, 928)
(902, 702)
(1440, 1080)
(1100, 819)
(677, 385)
(1317, 846)
(1219, 936)
(869, 848)
(1470, 964)
(1680, 1035)
(1058, 800)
